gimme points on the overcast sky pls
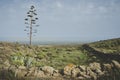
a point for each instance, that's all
(59, 20)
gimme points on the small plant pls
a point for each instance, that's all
(17, 60)
(28, 61)
(41, 55)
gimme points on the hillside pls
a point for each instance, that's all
(54, 56)
(14, 56)
(107, 46)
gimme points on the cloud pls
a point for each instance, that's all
(59, 5)
(57, 18)
(102, 9)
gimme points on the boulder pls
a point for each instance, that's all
(6, 63)
(22, 68)
(31, 72)
(48, 70)
(82, 68)
(107, 67)
(68, 69)
(81, 78)
(116, 64)
(56, 73)
(20, 72)
(96, 68)
(40, 74)
(91, 73)
(83, 72)
(75, 72)
(12, 68)
(32, 68)
(35, 72)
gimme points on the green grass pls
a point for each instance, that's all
(111, 46)
(55, 56)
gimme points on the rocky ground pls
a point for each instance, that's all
(94, 71)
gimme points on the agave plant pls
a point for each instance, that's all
(28, 61)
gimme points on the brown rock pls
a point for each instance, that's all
(116, 64)
(40, 74)
(91, 73)
(81, 78)
(34, 72)
(96, 68)
(22, 67)
(6, 63)
(75, 72)
(82, 74)
(107, 67)
(48, 70)
(20, 72)
(68, 69)
(33, 68)
(12, 68)
(82, 68)
(31, 72)
(56, 73)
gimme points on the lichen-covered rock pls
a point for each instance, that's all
(68, 69)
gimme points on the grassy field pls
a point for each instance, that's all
(57, 56)
(111, 46)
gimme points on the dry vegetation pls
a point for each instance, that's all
(57, 56)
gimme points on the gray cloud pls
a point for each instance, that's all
(63, 18)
